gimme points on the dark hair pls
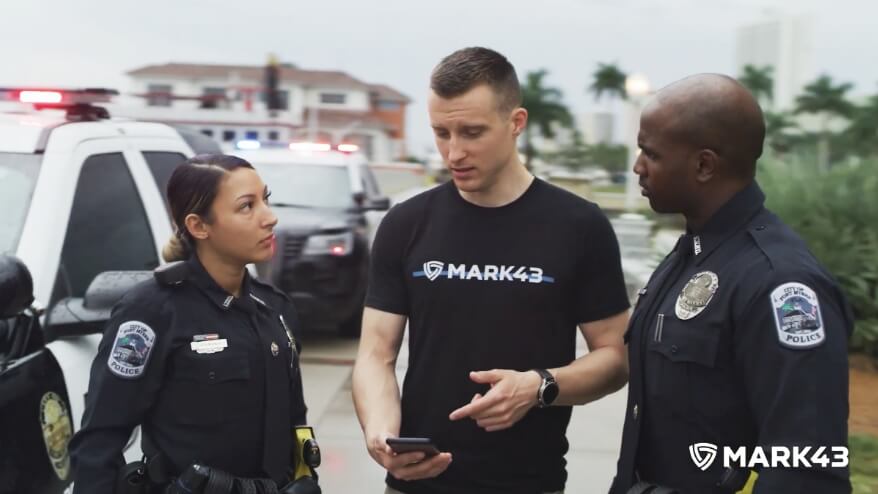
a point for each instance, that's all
(192, 189)
(467, 68)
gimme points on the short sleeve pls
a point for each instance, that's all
(387, 289)
(600, 286)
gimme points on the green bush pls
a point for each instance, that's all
(864, 463)
(837, 214)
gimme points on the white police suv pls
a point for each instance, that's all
(81, 194)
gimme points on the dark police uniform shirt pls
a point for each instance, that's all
(760, 362)
(487, 288)
(211, 378)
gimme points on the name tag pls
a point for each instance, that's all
(209, 346)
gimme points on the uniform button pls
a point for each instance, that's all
(211, 375)
(674, 348)
(635, 411)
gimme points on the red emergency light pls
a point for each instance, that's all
(57, 96)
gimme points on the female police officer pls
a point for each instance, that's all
(204, 358)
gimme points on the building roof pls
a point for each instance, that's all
(256, 73)
(387, 93)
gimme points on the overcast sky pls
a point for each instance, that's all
(397, 42)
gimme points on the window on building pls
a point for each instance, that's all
(388, 105)
(283, 97)
(251, 135)
(333, 98)
(108, 229)
(273, 135)
(207, 132)
(213, 97)
(158, 95)
(228, 135)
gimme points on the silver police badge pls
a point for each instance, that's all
(696, 295)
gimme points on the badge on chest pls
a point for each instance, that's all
(208, 343)
(695, 296)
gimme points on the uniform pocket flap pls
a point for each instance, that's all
(682, 341)
(213, 368)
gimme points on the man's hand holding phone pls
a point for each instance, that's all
(408, 458)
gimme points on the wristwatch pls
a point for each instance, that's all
(548, 391)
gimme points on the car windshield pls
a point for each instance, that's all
(315, 186)
(18, 175)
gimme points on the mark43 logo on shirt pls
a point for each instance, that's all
(433, 270)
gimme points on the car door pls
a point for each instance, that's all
(109, 228)
(369, 186)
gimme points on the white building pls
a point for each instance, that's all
(227, 103)
(784, 43)
(596, 127)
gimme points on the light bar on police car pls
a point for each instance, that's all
(248, 144)
(56, 96)
(310, 146)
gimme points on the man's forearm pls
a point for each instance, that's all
(592, 376)
(376, 395)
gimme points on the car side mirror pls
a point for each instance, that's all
(78, 316)
(16, 287)
(379, 204)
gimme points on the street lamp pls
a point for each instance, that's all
(637, 88)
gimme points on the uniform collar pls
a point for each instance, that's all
(730, 218)
(221, 298)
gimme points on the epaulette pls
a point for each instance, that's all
(173, 273)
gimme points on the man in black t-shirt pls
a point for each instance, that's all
(493, 271)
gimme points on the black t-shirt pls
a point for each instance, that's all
(492, 288)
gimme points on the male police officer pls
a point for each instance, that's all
(739, 339)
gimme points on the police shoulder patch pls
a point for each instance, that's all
(131, 349)
(797, 316)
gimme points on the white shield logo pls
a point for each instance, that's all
(433, 269)
(702, 454)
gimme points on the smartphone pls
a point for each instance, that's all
(410, 444)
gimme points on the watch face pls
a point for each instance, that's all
(550, 393)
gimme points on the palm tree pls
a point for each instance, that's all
(544, 108)
(608, 78)
(826, 99)
(862, 134)
(760, 82)
(777, 127)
